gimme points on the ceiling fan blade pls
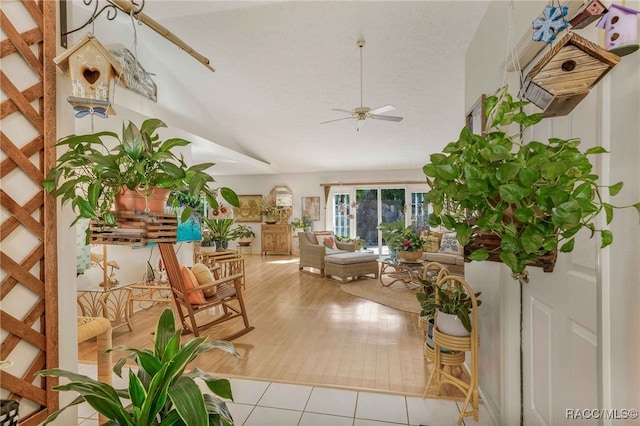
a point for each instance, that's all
(386, 118)
(380, 110)
(337, 119)
(342, 110)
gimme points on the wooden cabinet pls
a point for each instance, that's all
(276, 239)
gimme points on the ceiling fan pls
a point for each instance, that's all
(362, 112)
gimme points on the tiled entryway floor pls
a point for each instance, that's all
(278, 404)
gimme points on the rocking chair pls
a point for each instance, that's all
(227, 291)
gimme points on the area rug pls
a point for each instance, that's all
(395, 296)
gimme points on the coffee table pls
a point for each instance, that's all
(407, 273)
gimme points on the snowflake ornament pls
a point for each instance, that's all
(552, 23)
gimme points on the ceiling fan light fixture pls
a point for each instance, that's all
(362, 112)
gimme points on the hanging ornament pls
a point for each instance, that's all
(91, 69)
(621, 29)
(341, 208)
(552, 23)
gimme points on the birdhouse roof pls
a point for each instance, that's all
(605, 18)
(63, 60)
(581, 43)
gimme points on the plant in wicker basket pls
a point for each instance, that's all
(532, 196)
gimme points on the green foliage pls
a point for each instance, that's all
(160, 393)
(427, 299)
(244, 231)
(90, 174)
(532, 195)
(392, 233)
(300, 222)
(455, 301)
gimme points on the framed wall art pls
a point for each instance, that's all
(311, 207)
(249, 210)
(476, 118)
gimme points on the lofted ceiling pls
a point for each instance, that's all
(282, 66)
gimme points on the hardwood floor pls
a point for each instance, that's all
(307, 331)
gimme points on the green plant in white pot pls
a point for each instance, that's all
(97, 167)
(533, 196)
(456, 305)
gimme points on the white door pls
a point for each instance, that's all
(559, 334)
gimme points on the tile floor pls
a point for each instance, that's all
(278, 404)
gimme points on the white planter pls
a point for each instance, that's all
(451, 325)
(208, 249)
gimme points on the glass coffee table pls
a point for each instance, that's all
(408, 273)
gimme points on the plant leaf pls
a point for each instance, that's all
(479, 255)
(568, 246)
(596, 150)
(607, 238)
(614, 189)
(189, 402)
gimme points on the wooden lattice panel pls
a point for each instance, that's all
(28, 292)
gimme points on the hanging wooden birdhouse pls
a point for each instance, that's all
(589, 12)
(620, 25)
(565, 74)
(91, 69)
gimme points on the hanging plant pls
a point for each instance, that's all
(534, 197)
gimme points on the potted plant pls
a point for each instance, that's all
(270, 210)
(301, 223)
(220, 231)
(391, 235)
(207, 244)
(91, 175)
(160, 392)
(409, 246)
(454, 306)
(244, 234)
(532, 196)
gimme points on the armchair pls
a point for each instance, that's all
(312, 254)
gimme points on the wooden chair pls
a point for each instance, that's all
(227, 291)
(227, 267)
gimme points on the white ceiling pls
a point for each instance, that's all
(282, 66)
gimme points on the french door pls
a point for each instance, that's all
(357, 212)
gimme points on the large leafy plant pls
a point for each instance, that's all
(535, 196)
(91, 172)
(160, 393)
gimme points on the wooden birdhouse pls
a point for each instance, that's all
(589, 12)
(91, 69)
(565, 74)
(620, 26)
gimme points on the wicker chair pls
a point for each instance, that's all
(312, 254)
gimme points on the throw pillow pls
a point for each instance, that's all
(204, 277)
(326, 239)
(449, 244)
(190, 281)
(431, 244)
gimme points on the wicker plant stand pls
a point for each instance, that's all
(457, 346)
